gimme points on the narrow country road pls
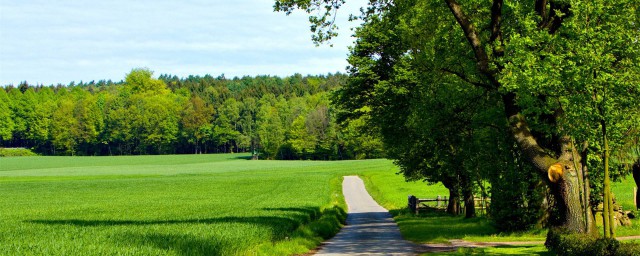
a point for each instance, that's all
(370, 230)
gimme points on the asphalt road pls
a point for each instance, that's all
(370, 229)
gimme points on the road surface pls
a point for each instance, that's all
(370, 229)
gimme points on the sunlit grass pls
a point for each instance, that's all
(170, 205)
(500, 250)
(391, 191)
(215, 204)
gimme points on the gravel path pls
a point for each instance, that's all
(370, 229)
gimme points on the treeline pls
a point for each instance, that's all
(279, 118)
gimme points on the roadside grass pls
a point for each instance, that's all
(623, 192)
(170, 205)
(500, 250)
(391, 191)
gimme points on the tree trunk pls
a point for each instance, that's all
(567, 194)
(560, 174)
(636, 177)
(452, 206)
(469, 202)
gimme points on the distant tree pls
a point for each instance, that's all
(302, 142)
(62, 125)
(196, 117)
(6, 121)
(140, 80)
(270, 128)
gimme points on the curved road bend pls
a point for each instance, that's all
(370, 229)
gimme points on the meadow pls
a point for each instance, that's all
(170, 205)
(213, 205)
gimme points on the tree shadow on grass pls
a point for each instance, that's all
(280, 226)
(182, 244)
(441, 227)
(312, 213)
(249, 157)
(500, 250)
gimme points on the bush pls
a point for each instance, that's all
(8, 152)
(517, 198)
(629, 249)
(564, 243)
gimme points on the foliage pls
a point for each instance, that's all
(517, 197)
(145, 115)
(566, 243)
(9, 152)
(553, 75)
(6, 122)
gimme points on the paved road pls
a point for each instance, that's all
(370, 230)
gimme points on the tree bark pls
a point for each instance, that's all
(591, 226)
(560, 173)
(469, 202)
(636, 177)
(452, 206)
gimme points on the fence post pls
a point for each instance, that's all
(438, 201)
(413, 204)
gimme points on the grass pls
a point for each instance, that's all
(500, 250)
(391, 191)
(170, 205)
(623, 192)
(216, 205)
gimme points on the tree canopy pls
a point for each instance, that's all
(455, 78)
(286, 118)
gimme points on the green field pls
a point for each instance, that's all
(213, 205)
(175, 205)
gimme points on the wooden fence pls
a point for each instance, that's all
(415, 204)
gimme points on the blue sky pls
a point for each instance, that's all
(50, 42)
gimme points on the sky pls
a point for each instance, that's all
(50, 42)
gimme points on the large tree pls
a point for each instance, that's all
(549, 63)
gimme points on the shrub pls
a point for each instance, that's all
(629, 249)
(517, 198)
(564, 243)
(8, 152)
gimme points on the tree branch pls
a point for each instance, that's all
(496, 19)
(551, 18)
(470, 32)
(541, 9)
(525, 140)
(466, 79)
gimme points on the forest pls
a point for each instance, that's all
(276, 118)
